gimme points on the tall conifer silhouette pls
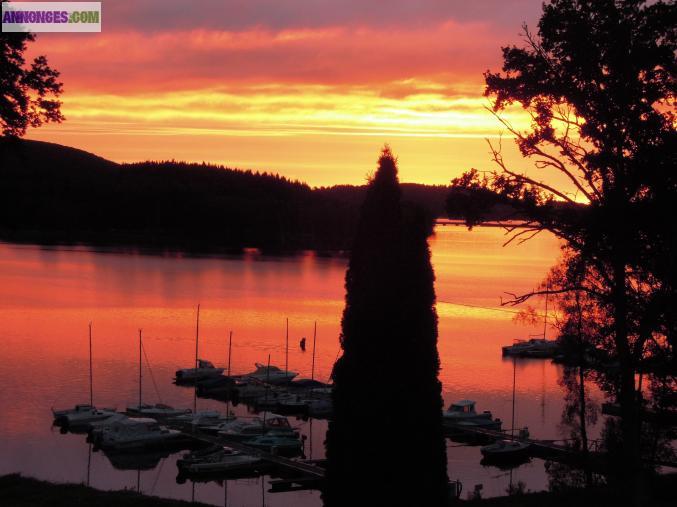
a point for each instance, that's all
(385, 445)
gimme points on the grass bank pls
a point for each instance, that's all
(18, 491)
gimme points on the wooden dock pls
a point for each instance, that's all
(548, 449)
(295, 474)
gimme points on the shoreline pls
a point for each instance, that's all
(19, 491)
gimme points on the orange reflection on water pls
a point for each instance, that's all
(49, 295)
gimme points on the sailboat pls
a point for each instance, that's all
(508, 451)
(157, 411)
(534, 347)
(203, 369)
(83, 413)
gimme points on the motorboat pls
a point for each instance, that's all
(219, 459)
(65, 411)
(202, 419)
(462, 413)
(137, 433)
(96, 428)
(157, 411)
(534, 347)
(506, 451)
(271, 374)
(205, 369)
(81, 415)
(241, 429)
(275, 443)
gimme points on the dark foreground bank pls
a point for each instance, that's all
(18, 491)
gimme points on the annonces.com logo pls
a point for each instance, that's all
(51, 16)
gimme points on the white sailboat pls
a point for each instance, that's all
(83, 413)
(508, 450)
(157, 411)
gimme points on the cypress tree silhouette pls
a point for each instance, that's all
(385, 445)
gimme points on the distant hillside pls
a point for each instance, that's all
(55, 194)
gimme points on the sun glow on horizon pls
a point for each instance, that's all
(309, 96)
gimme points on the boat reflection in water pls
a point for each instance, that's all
(253, 294)
(147, 460)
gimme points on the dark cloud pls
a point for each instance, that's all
(157, 15)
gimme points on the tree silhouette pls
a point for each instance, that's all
(28, 93)
(598, 81)
(386, 382)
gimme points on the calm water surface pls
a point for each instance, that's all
(47, 297)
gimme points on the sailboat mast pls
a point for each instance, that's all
(91, 376)
(312, 371)
(267, 389)
(230, 353)
(197, 340)
(140, 367)
(286, 351)
(514, 376)
(545, 317)
(230, 350)
(197, 333)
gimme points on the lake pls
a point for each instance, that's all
(49, 295)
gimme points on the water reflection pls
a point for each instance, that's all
(49, 295)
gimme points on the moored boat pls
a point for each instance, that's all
(463, 413)
(275, 444)
(205, 369)
(202, 419)
(534, 347)
(81, 416)
(216, 459)
(505, 451)
(271, 374)
(138, 433)
(243, 428)
(157, 411)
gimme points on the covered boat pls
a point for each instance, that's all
(271, 374)
(138, 433)
(506, 451)
(216, 459)
(535, 347)
(81, 416)
(157, 411)
(462, 413)
(276, 443)
(205, 369)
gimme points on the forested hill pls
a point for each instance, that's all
(55, 194)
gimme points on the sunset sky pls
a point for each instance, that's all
(307, 88)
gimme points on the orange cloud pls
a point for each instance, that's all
(275, 91)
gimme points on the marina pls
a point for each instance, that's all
(242, 295)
